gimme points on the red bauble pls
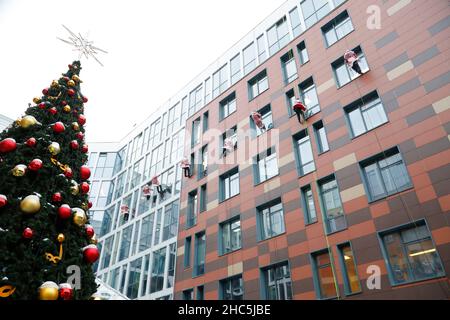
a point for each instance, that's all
(89, 231)
(27, 233)
(53, 110)
(89, 204)
(45, 91)
(68, 173)
(71, 92)
(8, 145)
(42, 105)
(90, 253)
(85, 172)
(58, 127)
(31, 142)
(64, 103)
(56, 197)
(65, 291)
(35, 165)
(3, 200)
(85, 99)
(74, 145)
(79, 135)
(70, 66)
(85, 148)
(64, 212)
(84, 187)
(81, 119)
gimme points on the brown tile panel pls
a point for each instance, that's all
(296, 237)
(422, 114)
(358, 216)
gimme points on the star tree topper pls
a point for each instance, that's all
(83, 45)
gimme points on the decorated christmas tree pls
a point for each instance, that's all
(47, 247)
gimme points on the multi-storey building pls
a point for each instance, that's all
(4, 122)
(355, 202)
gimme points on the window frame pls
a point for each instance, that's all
(318, 138)
(256, 165)
(256, 81)
(222, 189)
(324, 210)
(260, 220)
(228, 282)
(224, 104)
(316, 277)
(305, 205)
(333, 24)
(344, 271)
(286, 59)
(221, 243)
(296, 138)
(264, 279)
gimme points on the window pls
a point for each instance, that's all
(344, 74)
(126, 243)
(410, 253)
(105, 165)
(171, 267)
(290, 101)
(195, 132)
(207, 90)
(170, 221)
(145, 240)
(227, 106)
(154, 135)
(302, 52)
(173, 118)
(309, 207)
(314, 10)
(321, 137)
(187, 252)
(277, 282)
(156, 162)
(266, 118)
(232, 288)
(184, 110)
(203, 198)
(230, 236)
(203, 165)
(177, 146)
(220, 81)
(106, 257)
(385, 174)
(158, 266)
(158, 227)
(229, 184)
(192, 209)
(332, 206)
(195, 100)
(289, 67)
(118, 163)
(205, 121)
(303, 152)
(188, 294)
(92, 160)
(323, 275)
(107, 221)
(348, 266)
(365, 114)
(271, 220)
(200, 254)
(137, 173)
(232, 134)
(249, 58)
(308, 95)
(235, 68)
(278, 36)
(266, 165)
(337, 28)
(295, 22)
(133, 278)
(262, 52)
(258, 84)
(200, 293)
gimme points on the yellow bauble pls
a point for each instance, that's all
(96, 296)
(94, 239)
(66, 109)
(55, 84)
(37, 100)
(61, 238)
(74, 188)
(30, 204)
(75, 126)
(27, 121)
(48, 291)
(79, 217)
(71, 83)
(54, 148)
(19, 170)
(76, 78)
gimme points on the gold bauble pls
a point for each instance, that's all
(37, 100)
(48, 291)
(79, 217)
(85, 206)
(71, 83)
(76, 78)
(54, 148)
(30, 204)
(66, 109)
(61, 238)
(19, 170)
(54, 84)
(75, 126)
(94, 239)
(74, 188)
(27, 121)
(96, 296)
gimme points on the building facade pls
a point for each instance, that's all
(4, 122)
(352, 204)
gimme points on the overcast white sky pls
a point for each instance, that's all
(155, 48)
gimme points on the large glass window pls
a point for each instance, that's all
(258, 85)
(278, 36)
(195, 132)
(262, 52)
(158, 227)
(145, 240)
(323, 272)
(134, 278)
(337, 28)
(203, 165)
(173, 118)
(266, 119)
(126, 243)
(331, 200)
(107, 221)
(344, 74)
(107, 249)
(385, 174)
(195, 100)
(208, 88)
(309, 207)
(192, 210)
(302, 52)
(105, 165)
(289, 67)
(200, 254)
(171, 266)
(348, 264)
(321, 137)
(411, 254)
(137, 173)
(220, 81)
(203, 198)
(314, 10)
(266, 165)
(304, 153)
(271, 220)
(230, 235)
(170, 220)
(295, 22)
(365, 114)
(158, 265)
(227, 106)
(249, 58)
(232, 288)
(187, 252)
(229, 184)
(277, 282)
(235, 68)
(308, 94)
